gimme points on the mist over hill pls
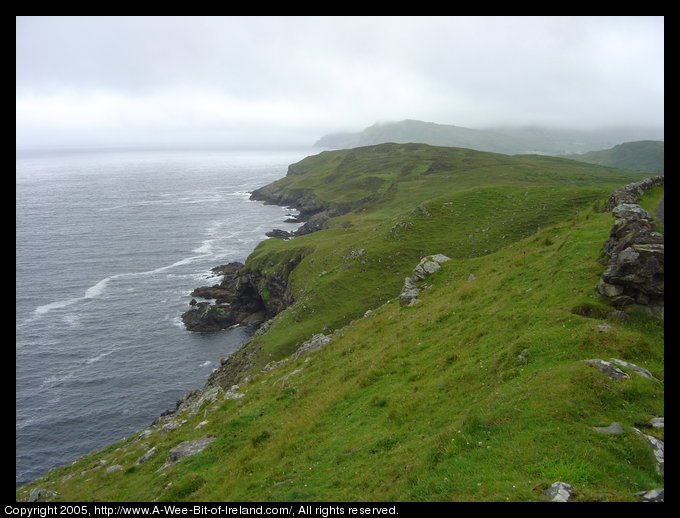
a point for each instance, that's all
(503, 139)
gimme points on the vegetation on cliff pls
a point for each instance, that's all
(477, 391)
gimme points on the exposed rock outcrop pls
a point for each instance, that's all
(427, 266)
(559, 492)
(634, 278)
(246, 296)
(187, 449)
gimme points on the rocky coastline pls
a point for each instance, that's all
(246, 296)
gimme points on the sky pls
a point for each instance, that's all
(213, 81)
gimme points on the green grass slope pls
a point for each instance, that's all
(476, 393)
(643, 155)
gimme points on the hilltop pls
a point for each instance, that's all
(502, 139)
(643, 155)
(470, 387)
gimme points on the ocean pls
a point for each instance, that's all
(109, 244)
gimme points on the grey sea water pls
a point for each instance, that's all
(109, 244)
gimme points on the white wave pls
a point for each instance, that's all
(206, 363)
(54, 381)
(72, 319)
(91, 293)
(98, 357)
(98, 288)
(40, 310)
(177, 322)
(205, 250)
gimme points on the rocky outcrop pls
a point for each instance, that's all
(245, 296)
(427, 266)
(187, 449)
(305, 202)
(634, 278)
(236, 301)
(559, 492)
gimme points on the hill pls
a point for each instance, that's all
(476, 390)
(509, 140)
(643, 155)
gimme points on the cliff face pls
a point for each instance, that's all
(245, 296)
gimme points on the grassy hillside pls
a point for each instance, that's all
(476, 393)
(643, 155)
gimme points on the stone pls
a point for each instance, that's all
(316, 342)
(612, 429)
(656, 422)
(186, 449)
(37, 495)
(146, 456)
(603, 328)
(114, 468)
(657, 447)
(559, 492)
(636, 369)
(608, 369)
(634, 277)
(426, 267)
(653, 495)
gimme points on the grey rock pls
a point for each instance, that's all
(170, 425)
(653, 495)
(608, 369)
(37, 495)
(635, 368)
(656, 422)
(274, 364)
(316, 342)
(603, 328)
(559, 492)
(426, 267)
(657, 447)
(612, 429)
(146, 456)
(634, 277)
(114, 468)
(187, 449)
(409, 292)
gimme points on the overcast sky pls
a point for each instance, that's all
(109, 81)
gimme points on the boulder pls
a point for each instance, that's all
(186, 449)
(38, 495)
(559, 492)
(653, 495)
(608, 369)
(315, 342)
(657, 447)
(426, 267)
(612, 429)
